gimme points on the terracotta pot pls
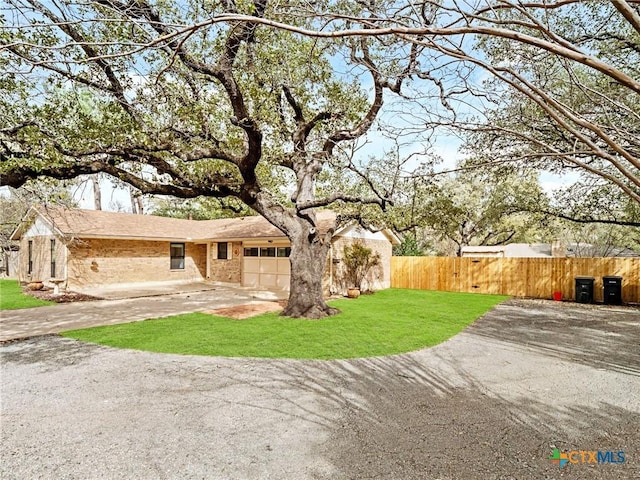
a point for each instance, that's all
(36, 285)
(353, 292)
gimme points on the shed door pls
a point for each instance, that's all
(266, 267)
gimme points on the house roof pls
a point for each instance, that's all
(386, 232)
(533, 250)
(590, 250)
(483, 249)
(102, 224)
(530, 250)
(522, 250)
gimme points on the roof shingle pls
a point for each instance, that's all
(102, 224)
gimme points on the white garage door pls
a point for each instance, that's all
(266, 267)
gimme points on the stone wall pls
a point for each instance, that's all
(103, 262)
(227, 270)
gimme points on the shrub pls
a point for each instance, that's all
(358, 260)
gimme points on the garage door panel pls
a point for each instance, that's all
(252, 264)
(268, 265)
(283, 282)
(251, 279)
(284, 266)
(268, 280)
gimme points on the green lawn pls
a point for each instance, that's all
(12, 298)
(391, 321)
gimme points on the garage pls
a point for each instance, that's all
(266, 266)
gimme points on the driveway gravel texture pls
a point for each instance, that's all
(491, 403)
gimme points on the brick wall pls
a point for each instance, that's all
(102, 262)
(228, 270)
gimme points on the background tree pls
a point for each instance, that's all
(564, 116)
(455, 211)
(201, 208)
(97, 193)
(598, 240)
(411, 246)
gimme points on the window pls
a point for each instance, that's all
(177, 256)
(223, 251)
(281, 252)
(268, 252)
(30, 268)
(53, 258)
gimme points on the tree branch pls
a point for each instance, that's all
(365, 123)
(628, 13)
(591, 220)
(323, 202)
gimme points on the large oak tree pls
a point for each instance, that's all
(186, 107)
(212, 98)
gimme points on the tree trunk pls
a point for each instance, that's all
(308, 257)
(97, 195)
(134, 205)
(308, 262)
(136, 202)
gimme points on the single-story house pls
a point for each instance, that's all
(513, 250)
(89, 248)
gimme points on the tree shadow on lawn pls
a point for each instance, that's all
(394, 418)
(596, 336)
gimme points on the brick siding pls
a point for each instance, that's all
(103, 262)
(229, 271)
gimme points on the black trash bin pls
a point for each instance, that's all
(612, 290)
(584, 289)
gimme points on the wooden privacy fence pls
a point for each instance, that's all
(520, 277)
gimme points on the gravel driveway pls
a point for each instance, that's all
(491, 402)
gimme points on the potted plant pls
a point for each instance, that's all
(35, 285)
(358, 260)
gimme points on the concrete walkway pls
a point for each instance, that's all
(150, 289)
(29, 322)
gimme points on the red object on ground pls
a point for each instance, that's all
(557, 296)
